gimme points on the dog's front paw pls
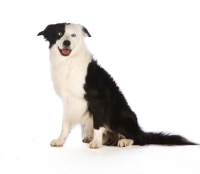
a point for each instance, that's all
(58, 142)
(95, 144)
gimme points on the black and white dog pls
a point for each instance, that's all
(90, 95)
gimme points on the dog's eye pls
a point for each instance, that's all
(73, 35)
(60, 34)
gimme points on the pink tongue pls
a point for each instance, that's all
(66, 51)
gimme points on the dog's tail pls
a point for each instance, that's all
(163, 139)
(130, 129)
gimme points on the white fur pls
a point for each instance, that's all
(98, 136)
(68, 75)
(124, 142)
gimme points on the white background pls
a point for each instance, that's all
(151, 48)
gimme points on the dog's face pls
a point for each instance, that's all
(65, 36)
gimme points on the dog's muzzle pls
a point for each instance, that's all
(65, 51)
(66, 43)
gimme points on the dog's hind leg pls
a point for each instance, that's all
(87, 134)
(130, 129)
(124, 142)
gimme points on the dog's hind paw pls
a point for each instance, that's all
(87, 140)
(124, 142)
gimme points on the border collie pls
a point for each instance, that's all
(91, 97)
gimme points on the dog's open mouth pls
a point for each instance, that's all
(65, 51)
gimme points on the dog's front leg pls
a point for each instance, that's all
(66, 127)
(97, 140)
(97, 108)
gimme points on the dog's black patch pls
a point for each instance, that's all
(86, 32)
(51, 32)
(109, 108)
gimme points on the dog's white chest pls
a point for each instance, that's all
(68, 75)
(68, 79)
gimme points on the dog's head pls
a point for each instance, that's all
(65, 36)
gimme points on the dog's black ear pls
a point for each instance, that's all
(48, 32)
(40, 33)
(86, 33)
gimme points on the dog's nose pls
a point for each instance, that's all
(66, 43)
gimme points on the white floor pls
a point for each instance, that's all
(28, 155)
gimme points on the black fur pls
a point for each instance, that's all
(50, 33)
(109, 106)
(110, 109)
(86, 32)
